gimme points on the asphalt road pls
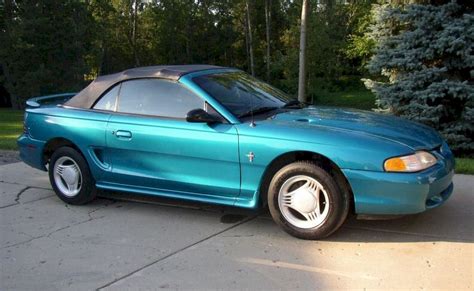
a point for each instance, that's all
(115, 244)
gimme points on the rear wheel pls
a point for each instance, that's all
(70, 177)
(306, 201)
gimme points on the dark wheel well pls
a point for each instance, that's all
(55, 143)
(291, 157)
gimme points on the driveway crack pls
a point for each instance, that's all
(17, 199)
(110, 202)
(18, 196)
(48, 235)
(14, 183)
(176, 252)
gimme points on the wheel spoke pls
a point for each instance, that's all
(312, 187)
(60, 170)
(287, 199)
(72, 186)
(312, 216)
(76, 170)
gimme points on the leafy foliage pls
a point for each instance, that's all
(55, 46)
(331, 29)
(424, 54)
(41, 43)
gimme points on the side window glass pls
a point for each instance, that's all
(158, 98)
(108, 101)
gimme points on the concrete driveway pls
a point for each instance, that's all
(115, 244)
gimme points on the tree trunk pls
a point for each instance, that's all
(249, 27)
(268, 7)
(302, 65)
(4, 65)
(246, 29)
(187, 43)
(133, 11)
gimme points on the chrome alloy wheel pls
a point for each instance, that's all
(303, 202)
(67, 176)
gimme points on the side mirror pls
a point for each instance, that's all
(200, 115)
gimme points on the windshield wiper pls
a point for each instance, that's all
(258, 111)
(294, 103)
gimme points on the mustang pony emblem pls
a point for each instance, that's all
(251, 156)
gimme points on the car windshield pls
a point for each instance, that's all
(242, 94)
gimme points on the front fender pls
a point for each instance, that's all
(346, 150)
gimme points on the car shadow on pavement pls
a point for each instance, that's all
(451, 222)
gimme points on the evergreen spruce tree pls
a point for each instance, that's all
(424, 55)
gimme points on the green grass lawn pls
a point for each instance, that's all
(11, 126)
(465, 166)
(355, 98)
(11, 121)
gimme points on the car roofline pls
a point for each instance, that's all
(90, 94)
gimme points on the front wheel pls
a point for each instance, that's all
(306, 201)
(70, 176)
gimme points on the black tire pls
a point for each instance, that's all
(87, 190)
(339, 200)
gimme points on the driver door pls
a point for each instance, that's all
(150, 145)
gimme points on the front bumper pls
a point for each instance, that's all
(382, 193)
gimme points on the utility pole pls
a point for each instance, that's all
(249, 27)
(268, 7)
(302, 64)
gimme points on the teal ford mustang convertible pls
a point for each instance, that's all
(218, 135)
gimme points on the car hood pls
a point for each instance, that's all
(398, 130)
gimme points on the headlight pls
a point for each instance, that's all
(412, 163)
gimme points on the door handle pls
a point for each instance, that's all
(123, 134)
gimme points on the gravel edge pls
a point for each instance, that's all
(9, 157)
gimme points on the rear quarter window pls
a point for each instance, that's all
(109, 100)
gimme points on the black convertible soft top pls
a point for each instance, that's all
(88, 96)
